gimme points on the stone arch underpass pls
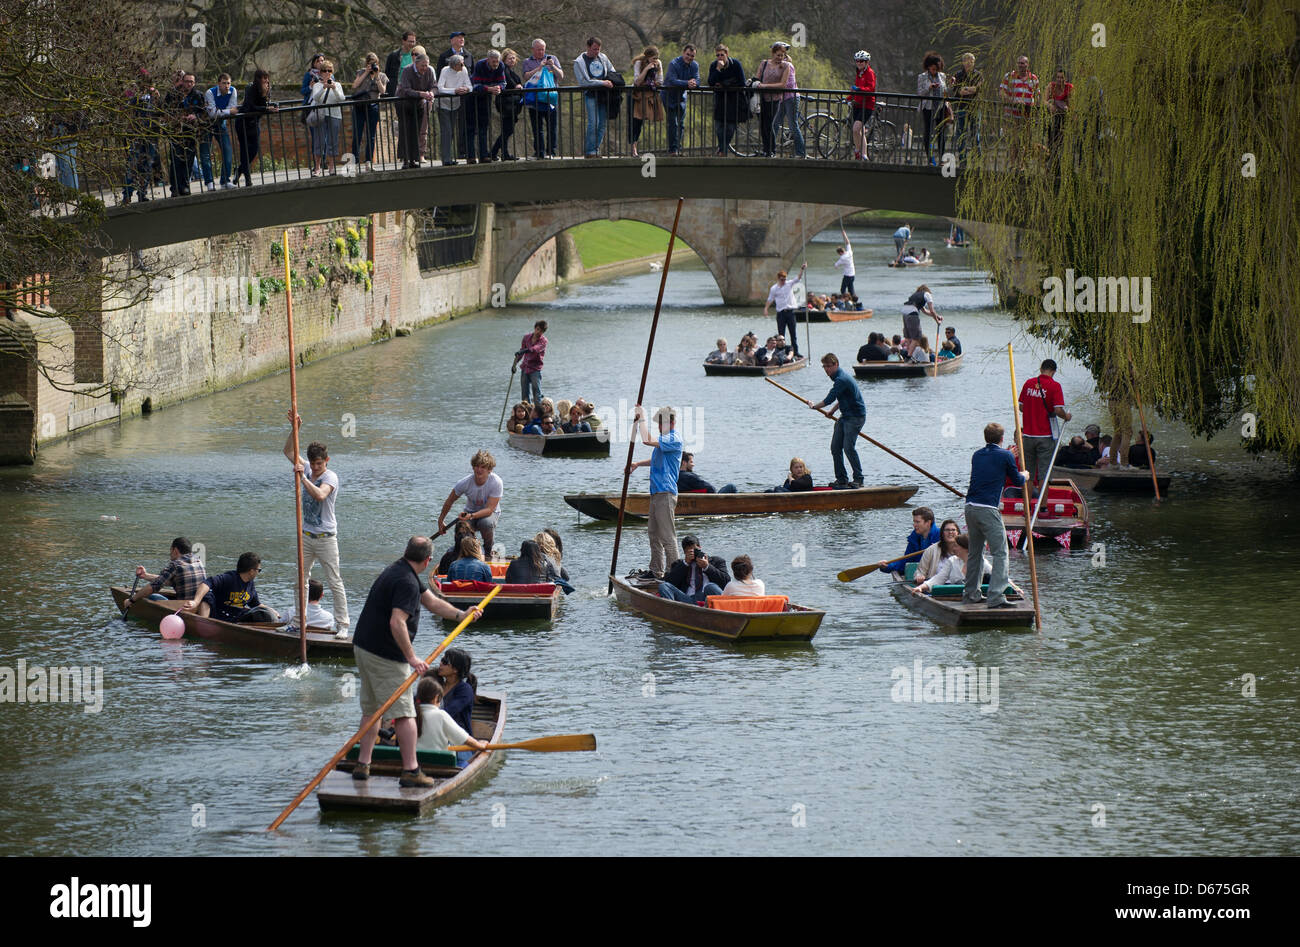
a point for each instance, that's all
(742, 242)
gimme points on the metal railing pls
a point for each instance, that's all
(291, 144)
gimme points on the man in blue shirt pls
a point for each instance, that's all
(665, 463)
(847, 398)
(923, 535)
(989, 468)
(230, 595)
(683, 73)
(951, 335)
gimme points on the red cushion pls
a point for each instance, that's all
(701, 490)
(823, 488)
(463, 586)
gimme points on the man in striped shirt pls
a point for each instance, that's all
(1019, 91)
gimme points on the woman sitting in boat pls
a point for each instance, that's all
(463, 528)
(562, 409)
(470, 567)
(907, 260)
(434, 728)
(952, 571)
(531, 567)
(948, 350)
(458, 686)
(575, 424)
(799, 481)
(938, 552)
(519, 417)
(855, 303)
(720, 355)
(744, 354)
(743, 581)
(554, 558)
(923, 256)
(921, 351)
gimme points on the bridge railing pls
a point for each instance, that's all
(295, 142)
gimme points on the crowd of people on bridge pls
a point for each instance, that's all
(177, 130)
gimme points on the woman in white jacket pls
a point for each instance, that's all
(952, 571)
(325, 129)
(933, 84)
(453, 80)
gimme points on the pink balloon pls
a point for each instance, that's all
(172, 627)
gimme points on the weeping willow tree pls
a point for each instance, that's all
(1177, 161)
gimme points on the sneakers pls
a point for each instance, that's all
(361, 771)
(858, 484)
(414, 778)
(840, 485)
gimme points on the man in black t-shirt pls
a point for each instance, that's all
(874, 350)
(1143, 455)
(381, 644)
(228, 596)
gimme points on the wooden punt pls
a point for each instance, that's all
(595, 444)
(946, 366)
(512, 602)
(832, 315)
(796, 624)
(1065, 512)
(604, 506)
(950, 610)
(267, 637)
(754, 371)
(381, 792)
(1108, 480)
(908, 266)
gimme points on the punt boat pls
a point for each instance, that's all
(604, 506)
(946, 607)
(267, 637)
(737, 618)
(594, 444)
(381, 792)
(1111, 480)
(752, 371)
(1064, 517)
(832, 315)
(943, 366)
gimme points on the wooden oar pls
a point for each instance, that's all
(375, 717)
(126, 605)
(510, 384)
(1020, 447)
(297, 480)
(568, 743)
(848, 575)
(640, 394)
(870, 440)
(1142, 416)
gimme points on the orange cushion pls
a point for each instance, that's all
(499, 569)
(749, 603)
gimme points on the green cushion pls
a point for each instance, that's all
(910, 572)
(425, 757)
(958, 589)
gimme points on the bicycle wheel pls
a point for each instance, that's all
(882, 140)
(821, 132)
(748, 143)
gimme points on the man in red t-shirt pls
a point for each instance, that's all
(1040, 399)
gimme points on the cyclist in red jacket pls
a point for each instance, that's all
(864, 80)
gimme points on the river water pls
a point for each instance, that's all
(1155, 714)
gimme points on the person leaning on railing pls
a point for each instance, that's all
(453, 84)
(730, 104)
(257, 102)
(683, 74)
(963, 90)
(593, 70)
(488, 79)
(647, 72)
(509, 106)
(415, 90)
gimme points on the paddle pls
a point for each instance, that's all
(1020, 447)
(126, 605)
(645, 370)
(848, 575)
(568, 743)
(375, 717)
(293, 423)
(510, 384)
(871, 440)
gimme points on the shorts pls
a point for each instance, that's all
(379, 678)
(862, 114)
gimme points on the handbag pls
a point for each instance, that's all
(542, 101)
(315, 117)
(755, 101)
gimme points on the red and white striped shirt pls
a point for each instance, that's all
(1022, 90)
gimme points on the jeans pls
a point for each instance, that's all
(65, 158)
(365, 122)
(597, 118)
(984, 524)
(139, 167)
(532, 380)
(222, 137)
(478, 120)
(676, 120)
(968, 131)
(846, 285)
(788, 112)
(785, 319)
(724, 132)
(463, 757)
(677, 595)
(845, 441)
(549, 121)
(502, 145)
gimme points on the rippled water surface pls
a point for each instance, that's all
(1129, 705)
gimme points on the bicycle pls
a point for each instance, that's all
(748, 142)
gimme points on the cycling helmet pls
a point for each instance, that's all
(862, 56)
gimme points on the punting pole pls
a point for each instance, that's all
(509, 385)
(807, 313)
(640, 394)
(1020, 449)
(871, 440)
(297, 481)
(1142, 416)
(1042, 494)
(375, 717)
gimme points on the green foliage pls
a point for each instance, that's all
(1153, 180)
(811, 71)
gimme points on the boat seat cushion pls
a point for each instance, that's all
(461, 586)
(384, 754)
(955, 589)
(910, 572)
(750, 603)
